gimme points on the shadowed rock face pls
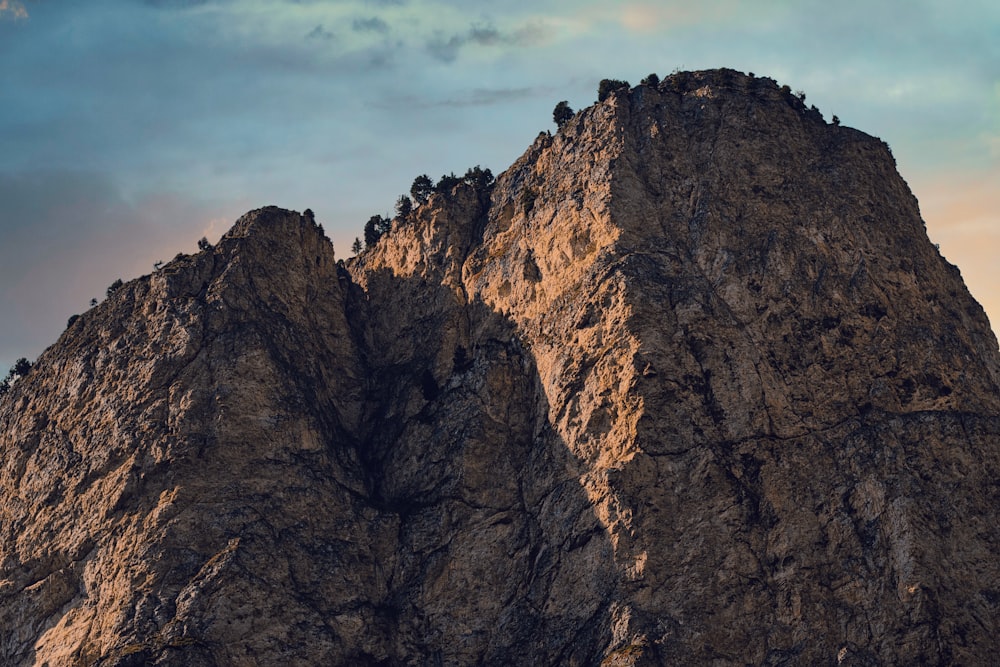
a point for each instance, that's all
(690, 385)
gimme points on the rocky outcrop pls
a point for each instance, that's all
(689, 385)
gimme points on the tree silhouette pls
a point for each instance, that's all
(446, 183)
(404, 205)
(422, 188)
(479, 178)
(21, 367)
(19, 370)
(376, 228)
(608, 86)
(114, 287)
(562, 114)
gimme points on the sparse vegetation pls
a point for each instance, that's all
(447, 182)
(652, 80)
(422, 189)
(404, 206)
(835, 120)
(20, 369)
(72, 320)
(562, 114)
(203, 243)
(608, 86)
(376, 227)
(113, 287)
(482, 180)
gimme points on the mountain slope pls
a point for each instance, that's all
(688, 385)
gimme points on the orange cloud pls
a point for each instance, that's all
(14, 8)
(962, 213)
(649, 17)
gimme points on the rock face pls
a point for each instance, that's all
(689, 385)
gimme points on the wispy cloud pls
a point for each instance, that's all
(477, 97)
(650, 18)
(197, 104)
(176, 4)
(446, 47)
(319, 32)
(372, 24)
(481, 97)
(13, 9)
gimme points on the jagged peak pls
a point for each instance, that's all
(716, 83)
(695, 354)
(274, 221)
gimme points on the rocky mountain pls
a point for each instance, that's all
(688, 385)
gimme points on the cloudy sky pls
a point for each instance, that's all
(129, 129)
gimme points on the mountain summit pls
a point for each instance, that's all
(688, 385)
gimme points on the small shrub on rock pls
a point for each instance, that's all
(608, 86)
(562, 114)
(114, 287)
(422, 188)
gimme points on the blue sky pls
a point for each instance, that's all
(129, 129)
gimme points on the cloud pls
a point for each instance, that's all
(477, 97)
(319, 32)
(373, 24)
(446, 48)
(13, 9)
(484, 35)
(481, 97)
(644, 18)
(176, 4)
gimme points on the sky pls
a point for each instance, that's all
(129, 129)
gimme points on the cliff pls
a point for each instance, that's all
(689, 385)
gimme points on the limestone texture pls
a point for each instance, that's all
(688, 385)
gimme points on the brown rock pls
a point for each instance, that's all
(689, 386)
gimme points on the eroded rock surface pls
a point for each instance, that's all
(689, 385)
